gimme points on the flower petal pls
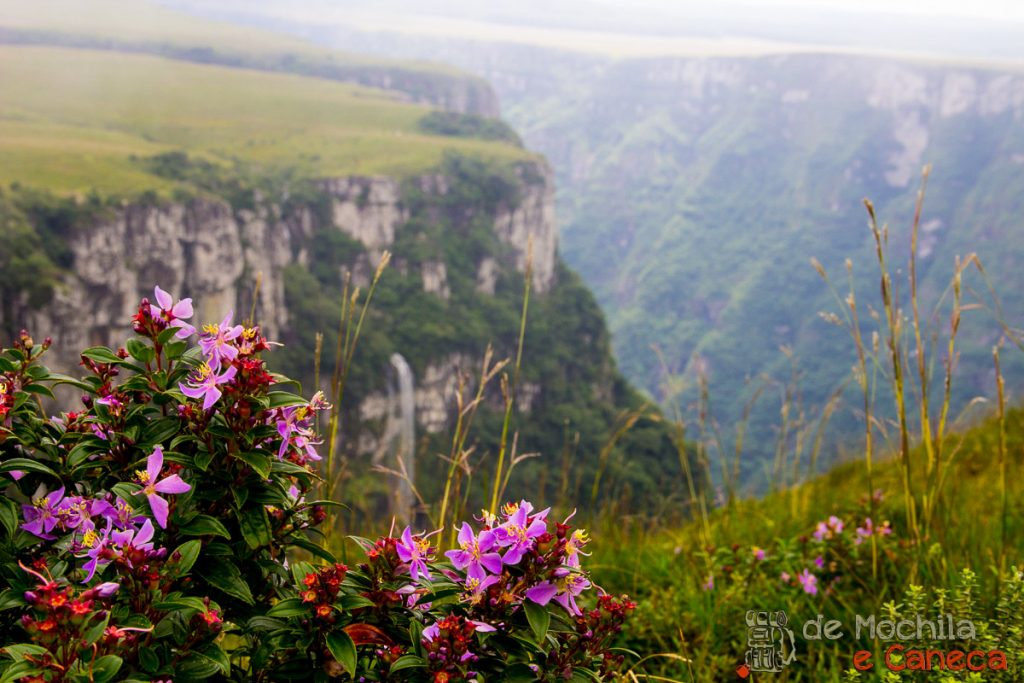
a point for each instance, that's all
(182, 309)
(491, 562)
(163, 298)
(172, 484)
(192, 392)
(155, 463)
(212, 396)
(542, 592)
(160, 509)
(145, 534)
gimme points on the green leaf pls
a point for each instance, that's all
(539, 619)
(9, 599)
(259, 462)
(518, 673)
(21, 650)
(148, 659)
(174, 350)
(343, 649)
(407, 662)
(105, 668)
(80, 453)
(265, 624)
(351, 602)
(180, 602)
(202, 460)
(101, 354)
(416, 636)
(226, 577)
(288, 467)
(291, 607)
(204, 525)
(40, 389)
(58, 378)
(20, 669)
(159, 431)
(126, 491)
(9, 516)
(96, 630)
(26, 465)
(188, 552)
(167, 335)
(315, 549)
(196, 666)
(219, 657)
(280, 399)
(140, 351)
(300, 570)
(255, 527)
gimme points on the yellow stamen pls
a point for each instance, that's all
(90, 538)
(142, 476)
(211, 329)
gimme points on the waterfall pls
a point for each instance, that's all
(401, 428)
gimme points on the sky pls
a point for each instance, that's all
(1012, 10)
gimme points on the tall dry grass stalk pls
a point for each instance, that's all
(509, 388)
(349, 328)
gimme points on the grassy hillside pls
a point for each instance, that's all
(140, 26)
(696, 583)
(72, 120)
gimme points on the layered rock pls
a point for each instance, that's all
(206, 249)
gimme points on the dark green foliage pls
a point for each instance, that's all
(469, 126)
(35, 228)
(567, 361)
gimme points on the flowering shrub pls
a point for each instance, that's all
(167, 531)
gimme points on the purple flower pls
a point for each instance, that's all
(139, 539)
(121, 514)
(473, 555)
(785, 577)
(808, 581)
(564, 589)
(519, 530)
(114, 406)
(709, 584)
(434, 630)
(44, 513)
(573, 546)
(415, 550)
(204, 382)
(105, 590)
(216, 342)
(295, 425)
(759, 553)
(97, 549)
(172, 484)
(75, 513)
(826, 530)
(172, 313)
(819, 561)
(475, 587)
(870, 529)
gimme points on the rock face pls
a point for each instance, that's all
(529, 228)
(207, 250)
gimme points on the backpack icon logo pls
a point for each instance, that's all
(770, 645)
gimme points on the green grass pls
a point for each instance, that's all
(664, 568)
(71, 120)
(141, 22)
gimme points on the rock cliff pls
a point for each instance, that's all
(208, 250)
